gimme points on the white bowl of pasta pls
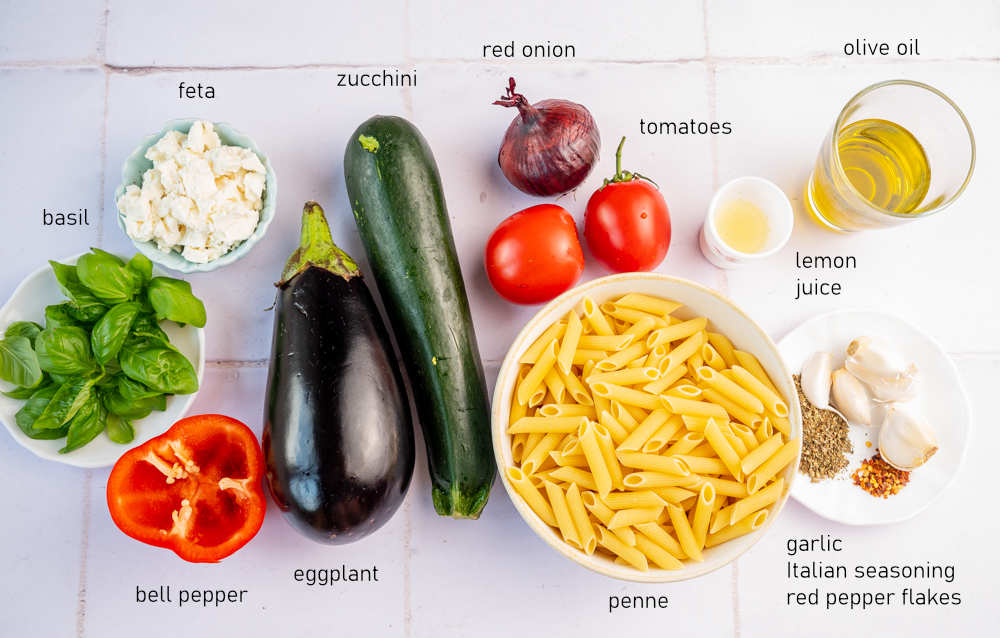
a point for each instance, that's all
(643, 427)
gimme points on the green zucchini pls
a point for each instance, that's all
(395, 193)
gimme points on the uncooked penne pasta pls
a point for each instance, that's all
(763, 452)
(540, 453)
(730, 389)
(676, 331)
(626, 376)
(685, 535)
(679, 355)
(724, 347)
(666, 379)
(675, 495)
(557, 499)
(626, 500)
(632, 516)
(662, 436)
(576, 475)
(675, 465)
(612, 343)
(661, 537)
(595, 458)
(517, 446)
(533, 380)
(631, 315)
(552, 410)
(685, 444)
(751, 364)
(659, 556)
(649, 480)
(646, 303)
(704, 464)
(684, 391)
(745, 434)
(613, 544)
(569, 460)
(655, 358)
(723, 487)
(582, 357)
(555, 385)
(734, 441)
(621, 358)
(777, 462)
(747, 525)
(603, 513)
(552, 333)
(702, 514)
(581, 521)
(615, 428)
(693, 407)
(754, 502)
(772, 402)
(563, 424)
(640, 329)
(598, 322)
(574, 329)
(642, 432)
(526, 490)
(575, 388)
(607, 448)
(626, 395)
(722, 446)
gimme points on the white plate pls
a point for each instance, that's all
(941, 400)
(28, 303)
(698, 300)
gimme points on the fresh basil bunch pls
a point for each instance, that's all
(101, 360)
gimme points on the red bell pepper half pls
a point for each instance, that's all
(195, 489)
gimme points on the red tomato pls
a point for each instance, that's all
(627, 223)
(534, 255)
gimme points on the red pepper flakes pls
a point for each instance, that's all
(878, 478)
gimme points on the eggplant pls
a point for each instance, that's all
(338, 438)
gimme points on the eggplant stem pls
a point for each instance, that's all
(316, 248)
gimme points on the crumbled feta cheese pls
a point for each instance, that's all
(200, 198)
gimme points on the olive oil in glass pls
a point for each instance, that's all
(885, 163)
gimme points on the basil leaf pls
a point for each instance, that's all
(147, 327)
(119, 429)
(65, 350)
(28, 329)
(110, 332)
(30, 411)
(60, 379)
(58, 316)
(65, 403)
(83, 305)
(18, 363)
(172, 299)
(161, 368)
(87, 424)
(132, 390)
(107, 277)
(133, 410)
(142, 266)
(24, 393)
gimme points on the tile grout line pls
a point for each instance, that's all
(81, 592)
(719, 61)
(81, 600)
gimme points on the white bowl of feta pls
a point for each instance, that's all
(196, 196)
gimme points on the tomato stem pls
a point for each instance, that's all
(624, 176)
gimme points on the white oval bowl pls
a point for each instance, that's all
(40, 289)
(698, 300)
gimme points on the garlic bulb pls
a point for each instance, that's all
(882, 369)
(816, 378)
(905, 441)
(850, 396)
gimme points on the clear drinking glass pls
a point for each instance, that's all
(931, 123)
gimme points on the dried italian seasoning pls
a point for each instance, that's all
(825, 441)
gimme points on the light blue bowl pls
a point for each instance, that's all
(136, 164)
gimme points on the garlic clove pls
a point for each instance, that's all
(882, 368)
(816, 379)
(851, 397)
(906, 442)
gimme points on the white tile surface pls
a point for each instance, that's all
(786, 28)
(492, 576)
(51, 159)
(46, 31)
(645, 30)
(294, 32)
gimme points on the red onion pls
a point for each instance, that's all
(550, 147)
